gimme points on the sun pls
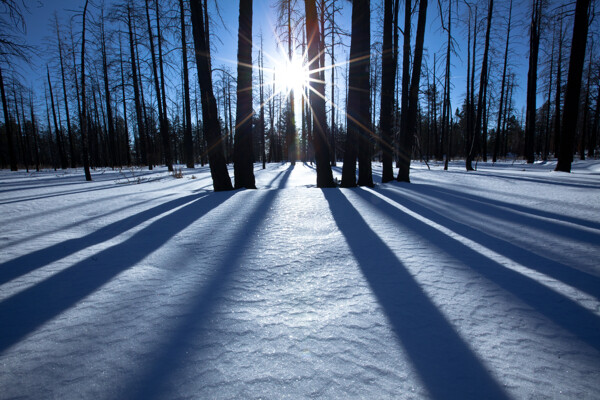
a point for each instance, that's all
(292, 75)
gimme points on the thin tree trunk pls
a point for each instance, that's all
(64, 85)
(388, 80)
(558, 94)
(165, 131)
(112, 147)
(496, 144)
(534, 46)
(136, 93)
(61, 152)
(411, 120)
(187, 133)
(83, 116)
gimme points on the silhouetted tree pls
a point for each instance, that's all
(210, 117)
(243, 167)
(317, 98)
(407, 137)
(576, 60)
(534, 45)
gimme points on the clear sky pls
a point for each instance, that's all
(39, 21)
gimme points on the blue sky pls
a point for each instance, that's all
(39, 27)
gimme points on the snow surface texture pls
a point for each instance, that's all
(459, 285)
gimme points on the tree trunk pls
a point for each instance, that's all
(164, 130)
(64, 85)
(388, 89)
(402, 155)
(61, 151)
(112, 146)
(136, 93)
(187, 133)
(83, 116)
(558, 94)
(11, 149)
(497, 141)
(577, 58)
(243, 166)
(317, 99)
(413, 100)
(534, 46)
(212, 129)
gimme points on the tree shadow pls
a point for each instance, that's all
(152, 381)
(574, 277)
(564, 312)
(29, 262)
(25, 311)
(14, 242)
(446, 364)
(506, 211)
(576, 184)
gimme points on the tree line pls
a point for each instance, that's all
(135, 84)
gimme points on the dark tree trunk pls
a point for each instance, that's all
(481, 100)
(59, 145)
(212, 129)
(534, 46)
(364, 128)
(558, 94)
(577, 58)
(164, 126)
(405, 83)
(34, 131)
(317, 99)
(9, 136)
(112, 145)
(136, 93)
(586, 106)
(83, 116)
(64, 85)
(261, 126)
(243, 166)
(388, 89)
(187, 133)
(594, 133)
(413, 100)
(497, 141)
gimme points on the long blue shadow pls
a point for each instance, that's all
(559, 309)
(498, 208)
(152, 383)
(444, 361)
(25, 311)
(579, 279)
(29, 262)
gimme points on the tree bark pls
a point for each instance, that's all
(388, 89)
(413, 101)
(534, 46)
(83, 116)
(576, 60)
(243, 166)
(317, 99)
(187, 133)
(212, 129)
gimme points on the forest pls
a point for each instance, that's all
(133, 83)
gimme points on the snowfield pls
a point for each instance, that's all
(481, 285)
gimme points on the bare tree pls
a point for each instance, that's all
(243, 168)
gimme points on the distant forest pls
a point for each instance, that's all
(133, 83)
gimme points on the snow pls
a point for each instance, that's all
(459, 285)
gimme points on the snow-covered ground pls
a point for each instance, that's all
(460, 285)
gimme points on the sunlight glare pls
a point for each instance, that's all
(293, 75)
